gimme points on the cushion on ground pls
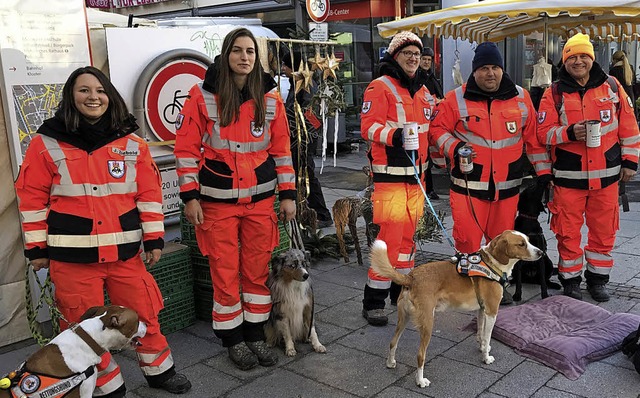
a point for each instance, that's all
(563, 333)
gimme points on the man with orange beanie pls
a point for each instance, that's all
(395, 98)
(587, 169)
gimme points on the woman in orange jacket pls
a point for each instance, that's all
(232, 151)
(394, 99)
(89, 195)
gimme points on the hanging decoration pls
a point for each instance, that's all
(317, 61)
(333, 64)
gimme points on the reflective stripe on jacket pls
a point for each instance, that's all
(93, 207)
(386, 107)
(574, 164)
(240, 163)
(497, 133)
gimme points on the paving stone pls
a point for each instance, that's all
(349, 275)
(366, 376)
(468, 351)
(376, 340)
(524, 380)
(600, 380)
(399, 392)
(205, 382)
(546, 392)
(283, 383)
(330, 294)
(347, 315)
(188, 349)
(451, 378)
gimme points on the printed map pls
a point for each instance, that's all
(33, 104)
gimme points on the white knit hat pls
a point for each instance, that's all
(402, 40)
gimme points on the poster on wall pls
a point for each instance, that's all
(41, 43)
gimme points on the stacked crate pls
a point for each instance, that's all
(202, 285)
(174, 276)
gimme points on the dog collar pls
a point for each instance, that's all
(527, 216)
(472, 265)
(77, 329)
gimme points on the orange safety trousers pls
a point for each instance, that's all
(493, 217)
(239, 240)
(397, 207)
(79, 287)
(569, 208)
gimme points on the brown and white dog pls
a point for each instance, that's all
(291, 317)
(67, 363)
(437, 286)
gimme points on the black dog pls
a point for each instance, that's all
(529, 208)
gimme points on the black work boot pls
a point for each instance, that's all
(572, 290)
(375, 317)
(176, 384)
(265, 355)
(598, 292)
(507, 298)
(242, 356)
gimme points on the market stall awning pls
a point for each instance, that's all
(494, 20)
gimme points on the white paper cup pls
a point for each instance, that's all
(410, 135)
(593, 133)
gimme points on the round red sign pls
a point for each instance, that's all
(166, 92)
(318, 10)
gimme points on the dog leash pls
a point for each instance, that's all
(426, 197)
(295, 236)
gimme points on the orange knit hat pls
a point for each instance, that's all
(578, 44)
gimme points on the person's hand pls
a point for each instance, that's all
(287, 210)
(580, 131)
(193, 212)
(152, 257)
(626, 174)
(39, 263)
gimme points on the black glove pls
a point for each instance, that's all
(398, 138)
(544, 180)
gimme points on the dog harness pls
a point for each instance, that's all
(472, 265)
(26, 384)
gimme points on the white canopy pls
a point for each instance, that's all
(494, 20)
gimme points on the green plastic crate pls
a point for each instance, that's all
(178, 313)
(203, 296)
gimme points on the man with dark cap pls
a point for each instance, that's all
(586, 172)
(390, 102)
(427, 73)
(303, 149)
(493, 117)
(433, 85)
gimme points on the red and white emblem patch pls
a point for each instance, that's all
(541, 117)
(116, 168)
(366, 106)
(427, 113)
(605, 115)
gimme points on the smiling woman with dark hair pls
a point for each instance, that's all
(90, 195)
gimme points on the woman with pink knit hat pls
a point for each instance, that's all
(391, 102)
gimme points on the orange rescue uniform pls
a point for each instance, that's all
(234, 170)
(497, 128)
(89, 212)
(586, 178)
(398, 202)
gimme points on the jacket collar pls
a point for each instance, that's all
(567, 84)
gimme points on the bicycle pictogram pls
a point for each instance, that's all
(317, 4)
(172, 110)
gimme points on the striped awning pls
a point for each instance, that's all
(494, 20)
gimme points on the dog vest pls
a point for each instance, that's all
(25, 384)
(471, 265)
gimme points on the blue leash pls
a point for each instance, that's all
(426, 197)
